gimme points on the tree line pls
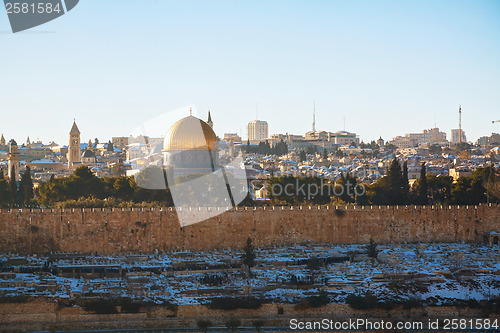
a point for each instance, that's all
(393, 189)
(81, 189)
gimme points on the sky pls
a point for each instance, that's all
(382, 68)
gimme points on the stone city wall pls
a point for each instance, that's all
(146, 230)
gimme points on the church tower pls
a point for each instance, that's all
(74, 155)
(2, 141)
(209, 120)
(13, 160)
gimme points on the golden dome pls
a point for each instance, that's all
(190, 133)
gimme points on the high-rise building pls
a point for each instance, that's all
(74, 154)
(257, 130)
(455, 136)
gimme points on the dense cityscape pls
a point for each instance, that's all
(456, 171)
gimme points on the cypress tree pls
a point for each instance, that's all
(302, 156)
(406, 184)
(423, 186)
(395, 179)
(26, 187)
(4, 190)
(110, 146)
(13, 185)
(249, 254)
(371, 249)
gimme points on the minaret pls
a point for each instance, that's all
(74, 155)
(209, 121)
(13, 160)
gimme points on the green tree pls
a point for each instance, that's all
(302, 156)
(423, 187)
(345, 187)
(26, 187)
(82, 184)
(85, 184)
(439, 188)
(490, 181)
(13, 186)
(123, 189)
(389, 190)
(249, 254)
(371, 249)
(152, 185)
(405, 183)
(468, 191)
(83, 172)
(291, 190)
(280, 148)
(110, 146)
(5, 200)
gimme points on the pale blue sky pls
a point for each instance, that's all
(388, 67)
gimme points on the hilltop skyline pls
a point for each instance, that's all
(389, 68)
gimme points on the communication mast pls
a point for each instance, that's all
(460, 123)
(314, 116)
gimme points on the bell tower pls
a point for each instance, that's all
(74, 156)
(13, 160)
